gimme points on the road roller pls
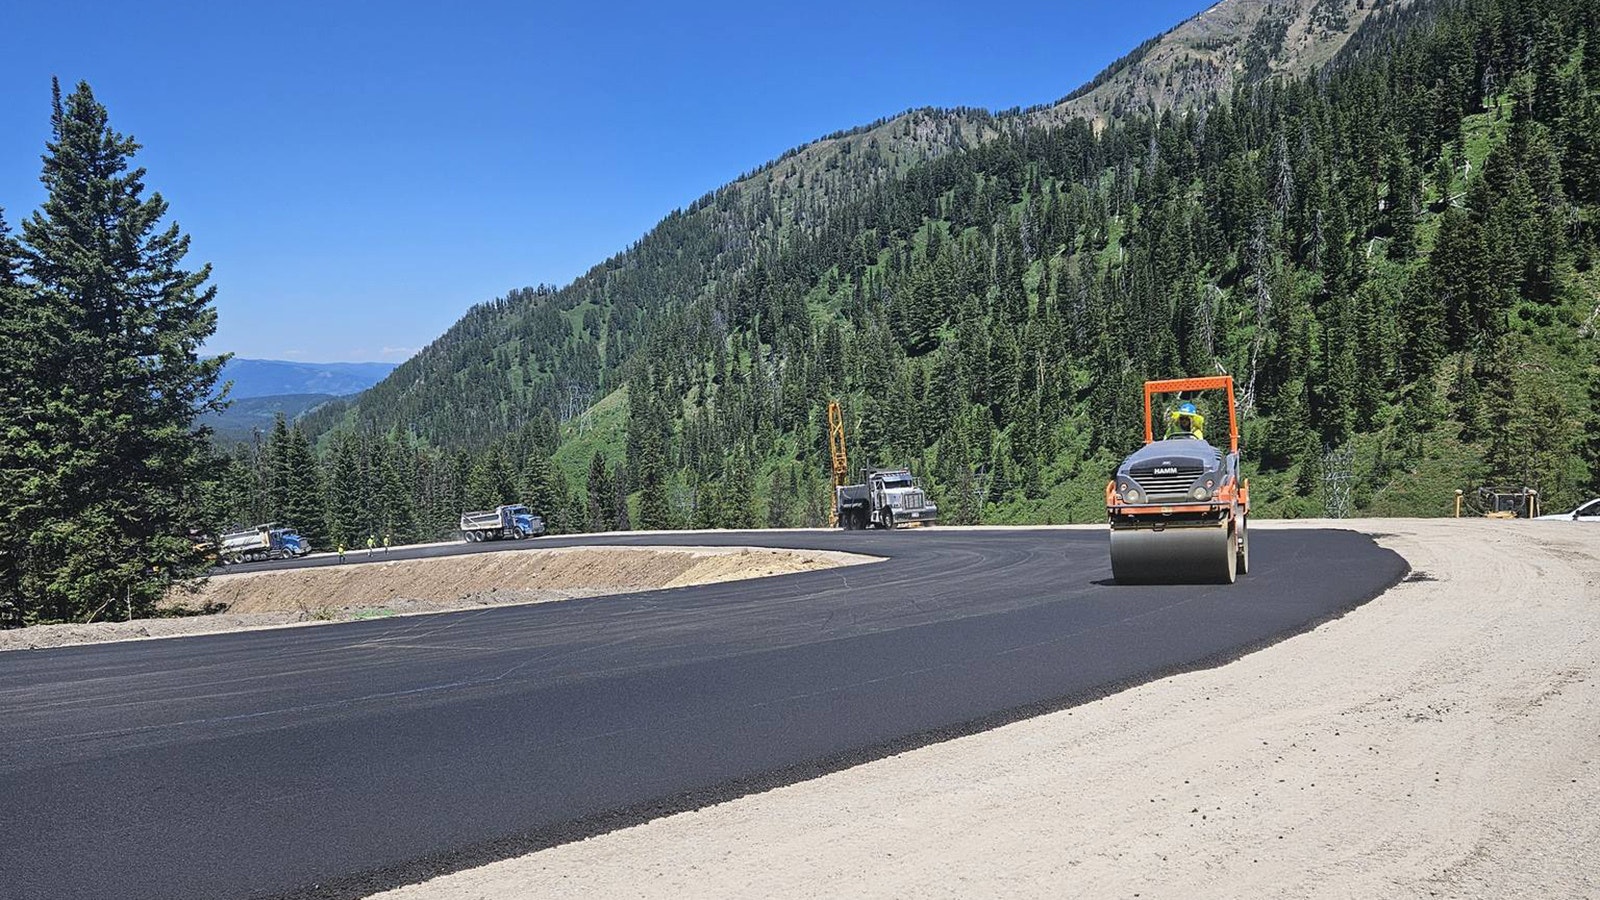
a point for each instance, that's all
(1177, 506)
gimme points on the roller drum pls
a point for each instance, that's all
(1186, 554)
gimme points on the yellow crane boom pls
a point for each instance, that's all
(841, 461)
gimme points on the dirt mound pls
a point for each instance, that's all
(361, 589)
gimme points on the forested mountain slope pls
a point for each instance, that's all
(555, 351)
(1394, 257)
(247, 416)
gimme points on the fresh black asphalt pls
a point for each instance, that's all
(338, 760)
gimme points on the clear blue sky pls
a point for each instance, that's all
(361, 173)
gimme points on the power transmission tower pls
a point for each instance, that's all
(1338, 473)
(982, 479)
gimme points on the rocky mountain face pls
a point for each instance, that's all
(1200, 61)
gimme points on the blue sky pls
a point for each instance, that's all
(359, 174)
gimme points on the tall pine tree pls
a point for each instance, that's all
(107, 367)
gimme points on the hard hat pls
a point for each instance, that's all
(1187, 408)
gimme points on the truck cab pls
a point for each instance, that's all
(288, 542)
(887, 498)
(525, 522)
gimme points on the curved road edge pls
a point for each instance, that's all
(459, 873)
(1437, 742)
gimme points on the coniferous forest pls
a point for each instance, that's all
(1394, 256)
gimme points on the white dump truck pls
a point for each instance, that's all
(509, 522)
(886, 498)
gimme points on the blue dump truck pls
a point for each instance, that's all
(509, 522)
(269, 541)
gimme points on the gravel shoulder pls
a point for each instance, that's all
(361, 589)
(1438, 741)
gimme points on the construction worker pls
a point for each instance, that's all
(386, 544)
(341, 551)
(1186, 421)
(372, 544)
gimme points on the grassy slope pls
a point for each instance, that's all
(602, 428)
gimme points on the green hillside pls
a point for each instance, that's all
(547, 351)
(1392, 255)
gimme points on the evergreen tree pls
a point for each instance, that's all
(347, 507)
(567, 514)
(707, 506)
(106, 361)
(1591, 431)
(308, 505)
(655, 513)
(619, 509)
(601, 506)
(538, 488)
(14, 305)
(778, 501)
(278, 472)
(491, 483)
(396, 508)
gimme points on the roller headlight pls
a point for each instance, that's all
(1130, 494)
(1200, 493)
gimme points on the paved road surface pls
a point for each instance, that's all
(336, 760)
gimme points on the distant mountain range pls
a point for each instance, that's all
(277, 377)
(247, 415)
(263, 388)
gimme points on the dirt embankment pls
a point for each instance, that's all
(361, 589)
(1439, 741)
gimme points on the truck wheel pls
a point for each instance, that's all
(888, 519)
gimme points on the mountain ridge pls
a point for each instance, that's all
(277, 377)
(535, 367)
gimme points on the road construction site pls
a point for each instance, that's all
(1377, 708)
(1438, 741)
(405, 582)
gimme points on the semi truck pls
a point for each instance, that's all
(508, 522)
(885, 498)
(269, 541)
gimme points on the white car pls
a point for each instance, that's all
(1586, 512)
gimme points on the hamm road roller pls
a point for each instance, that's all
(1177, 506)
